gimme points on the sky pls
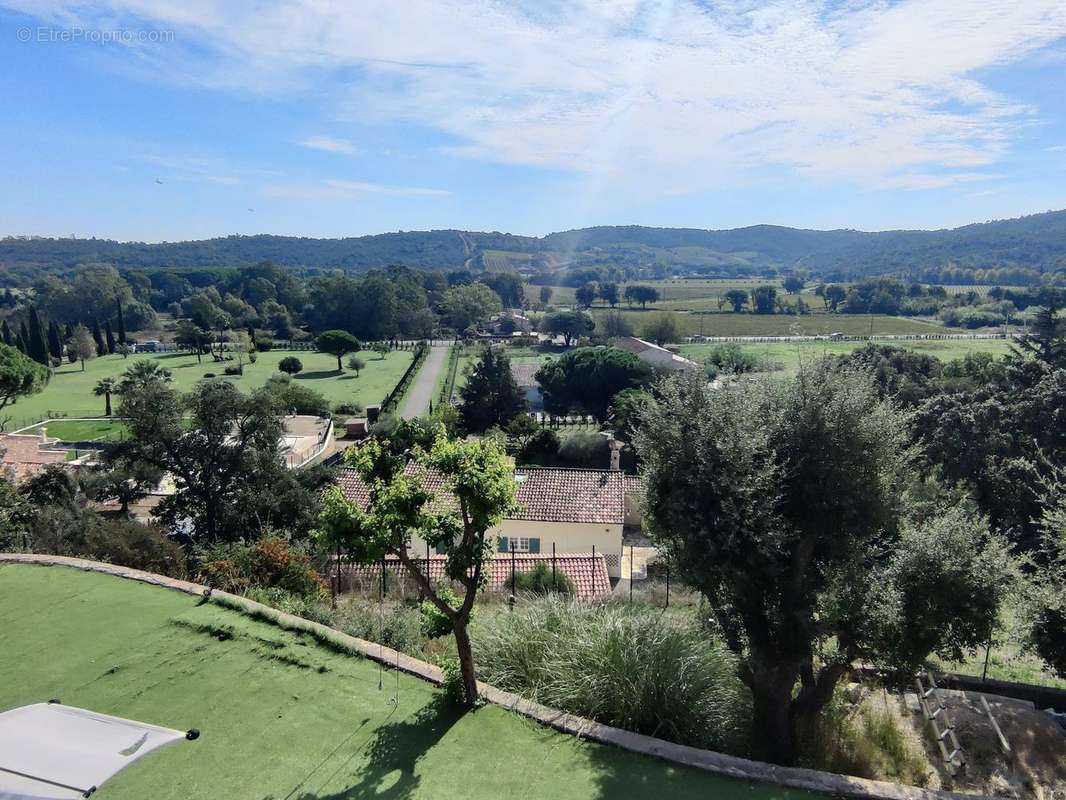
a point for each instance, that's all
(164, 120)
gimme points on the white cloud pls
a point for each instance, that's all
(337, 188)
(661, 95)
(329, 144)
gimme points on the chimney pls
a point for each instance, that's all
(616, 453)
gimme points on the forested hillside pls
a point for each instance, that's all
(1031, 245)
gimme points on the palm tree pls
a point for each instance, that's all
(143, 372)
(105, 387)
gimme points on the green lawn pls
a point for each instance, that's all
(789, 355)
(82, 430)
(280, 715)
(70, 392)
(728, 324)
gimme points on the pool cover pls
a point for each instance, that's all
(49, 751)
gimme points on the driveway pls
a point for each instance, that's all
(417, 402)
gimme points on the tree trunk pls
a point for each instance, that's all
(339, 367)
(107, 404)
(466, 661)
(771, 716)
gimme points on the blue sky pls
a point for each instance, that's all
(340, 119)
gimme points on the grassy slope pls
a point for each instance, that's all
(789, 355)
(281, 716)
(70, 391)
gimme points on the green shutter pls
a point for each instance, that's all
(534, 545)
(501, 544)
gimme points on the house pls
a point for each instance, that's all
(22, 455)
(524, 376)
(510, 321)
(561, 510)
(655, 356)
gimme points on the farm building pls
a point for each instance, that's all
(655, 356)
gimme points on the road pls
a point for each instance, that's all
(417, 402)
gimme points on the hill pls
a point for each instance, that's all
(1035, 243)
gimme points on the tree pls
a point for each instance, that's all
(737, 298)
(585, 295)
(109, 337)
(479, 477)
(121, 323)
(81, 345)
(105, 387)
(382, 349)
(490, 397)
(37, 342)
(20, 376)
(662, 328)
(508, 285)
(219, 444)
(793, 284)
(780, 501)
(641, 294)
(291, 365)
(6, 335)
(764, 299)
(609, 293)
(191, 336)
(142, 373)
(545, 295)
(588, 379)
(615, 325)
(469, 305)
(337, 343)
(625, 412)
(568, 324)
(98, 338)
(834, 296)
(121, 482)
(356, 363)
(55, 342)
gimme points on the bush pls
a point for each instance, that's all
(290, 603)
(542, 448)
(585, 449)
(620, 665)
(129, 543)
(296, 398)
(209, 375)
(270, 563)
(399, 628)
(291, 365)
(348, 408)
(234, 369)
(253, 357)
(539, 581)
(435, 625)
(263, 341)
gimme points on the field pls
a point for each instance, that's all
(468, 355)
(782, 324)
(789, 355)
(70, 392)
(282, 716)
(82, 430)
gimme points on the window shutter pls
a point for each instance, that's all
(440, 549)
(534, 545)
(501, 543)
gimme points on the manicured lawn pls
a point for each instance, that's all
(82, 430)
(789, 355)
(728, 324)
(70, 392)
(280, 715)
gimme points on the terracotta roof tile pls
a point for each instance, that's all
(545, 494)
(587, 573)
(523, 374)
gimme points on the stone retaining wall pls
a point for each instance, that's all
(717, 763)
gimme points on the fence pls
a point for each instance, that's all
(397, 393)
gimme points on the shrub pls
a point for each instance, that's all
(539, 581)
(270, 563)
(291, 603)
(263, 341)
(253, 357)
(398, 628)
(585, 449)
(348, 408)
(209, 375)
(129, 543)
(296, 398)
(234, 369)
(291, 365)
(620, 665)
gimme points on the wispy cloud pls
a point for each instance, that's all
(340, 188)
(329, 144)
(666, 95)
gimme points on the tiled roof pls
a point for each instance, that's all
(586, 572)
(523, 374)
(545, 494)
(26, 454)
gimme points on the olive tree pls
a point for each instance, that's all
(477, 475)
(782, 503)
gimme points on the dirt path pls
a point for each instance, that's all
(417, 402)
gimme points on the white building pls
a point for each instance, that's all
(655, 356)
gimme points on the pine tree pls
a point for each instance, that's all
(55, 342)
(37, 342)
(491, 396)
(109, 337)
(98, 337)
(24, 334)
(121, 324)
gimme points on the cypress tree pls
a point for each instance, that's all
(68, 332)
(24, 335)
(20, 343)
(5, 332)
(55, 343)
(98, 337)
(37, 341)
(109, 337)
(121, 324)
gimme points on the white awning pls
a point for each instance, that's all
(49, 751)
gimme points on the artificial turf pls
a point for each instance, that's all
(283, 717)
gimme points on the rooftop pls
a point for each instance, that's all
(523, 374)
(545, 494)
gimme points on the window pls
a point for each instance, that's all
(519, 544)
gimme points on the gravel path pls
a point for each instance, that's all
(417, 402)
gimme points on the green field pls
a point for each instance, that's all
(70, 392)
(783, 325)
(789, 355)
(517, 355)
(82, 430)
(282, 716)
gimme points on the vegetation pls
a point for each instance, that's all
(20, 376)
(490, 397)
(586, 380)
(337, 343)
